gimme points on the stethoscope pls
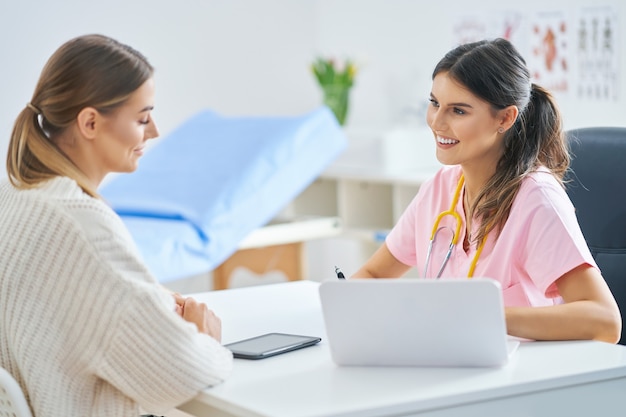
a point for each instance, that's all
(455, 235)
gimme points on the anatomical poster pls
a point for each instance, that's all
(548, 58)
(597, 54)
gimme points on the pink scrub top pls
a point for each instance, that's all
(540, 241)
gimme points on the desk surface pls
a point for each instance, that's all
(306, 383)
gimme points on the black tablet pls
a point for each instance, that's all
(270, 344)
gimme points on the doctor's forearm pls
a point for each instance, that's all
(580, 320)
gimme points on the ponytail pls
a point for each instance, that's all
(544, 127)
(33, 157)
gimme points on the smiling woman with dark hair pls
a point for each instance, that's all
(498, 208)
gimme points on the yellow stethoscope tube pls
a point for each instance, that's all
(455, 236)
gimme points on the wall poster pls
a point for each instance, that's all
(548, 60)
(597, 53)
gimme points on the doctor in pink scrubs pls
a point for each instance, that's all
(505, 209)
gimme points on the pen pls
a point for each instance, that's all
(340, 274)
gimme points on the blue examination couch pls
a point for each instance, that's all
(203, 188)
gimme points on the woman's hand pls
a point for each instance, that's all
(200, 315)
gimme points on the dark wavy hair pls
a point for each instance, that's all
(494, 71)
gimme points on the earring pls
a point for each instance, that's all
(501, 130)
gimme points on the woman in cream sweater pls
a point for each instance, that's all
(84, 327)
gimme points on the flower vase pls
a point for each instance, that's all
(336, 97)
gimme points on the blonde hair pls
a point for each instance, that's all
(87, 71)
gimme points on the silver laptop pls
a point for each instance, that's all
(416, 322)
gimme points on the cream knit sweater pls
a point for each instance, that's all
(84, 327)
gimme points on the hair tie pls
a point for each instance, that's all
(40, 118)
(33, 108)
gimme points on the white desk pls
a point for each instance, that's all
(543, 378)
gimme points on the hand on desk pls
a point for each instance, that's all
(200, 315)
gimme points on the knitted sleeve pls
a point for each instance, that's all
(149, 352)
(156, 358)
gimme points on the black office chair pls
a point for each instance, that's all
(597, 189)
